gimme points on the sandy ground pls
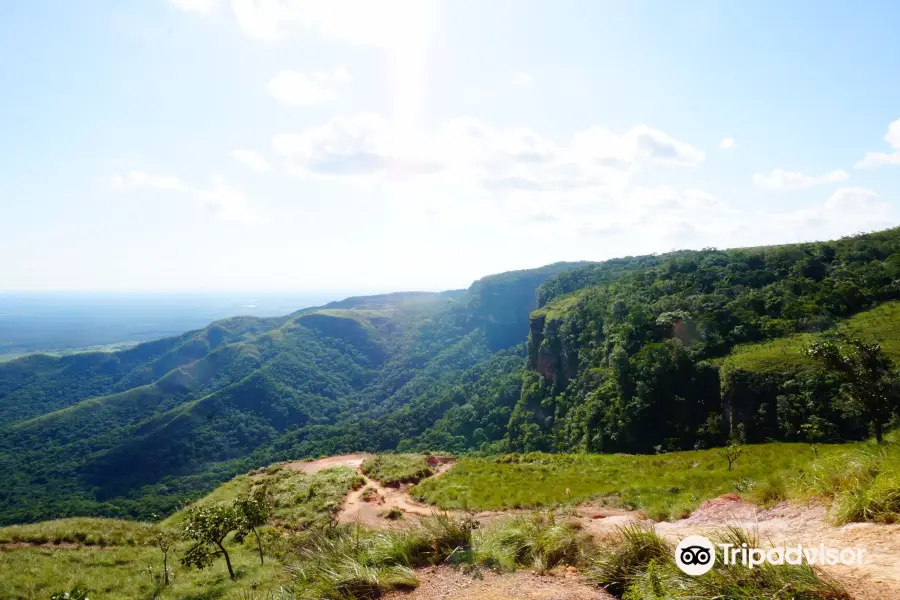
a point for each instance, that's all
(447, 583)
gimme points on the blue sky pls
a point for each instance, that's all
(419, 144)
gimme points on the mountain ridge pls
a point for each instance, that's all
(622, 355)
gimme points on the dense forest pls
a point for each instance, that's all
(639, 354)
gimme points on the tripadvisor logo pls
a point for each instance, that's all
(695, 555)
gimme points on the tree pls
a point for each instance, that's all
(732, 452)
(814, 432)
(867, 377)
(208, 526)
(164, 540)
(253, 511)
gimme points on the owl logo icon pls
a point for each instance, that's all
(695, 555)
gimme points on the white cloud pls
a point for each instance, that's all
(855, 200)
(882, 159)
(220, 199)
(301, 89)
(521, 79)
(847, 211)
(251, 159)
(640, 144)
(348, 147)
(727, 143)
(468, 150)
(196, 6)
(780, 180)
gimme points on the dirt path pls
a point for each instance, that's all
(354, 461)
(365, 504)
(447, 583)
(785, 525)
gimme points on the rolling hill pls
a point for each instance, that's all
(137, 432)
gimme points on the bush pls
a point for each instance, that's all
(392, 514)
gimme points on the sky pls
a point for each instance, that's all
(421, 144)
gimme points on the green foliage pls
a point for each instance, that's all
(143, 431)
(394, 469)
(624, 354)
(253, 511)
(164, 540)
(207, 526)
(732, 452)
(867, 375)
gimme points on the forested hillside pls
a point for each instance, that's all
(137, 432)
(627, 355)
(639, 354)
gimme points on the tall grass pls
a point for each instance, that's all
(640, 565)
(539, 541)
(864, 484)
(394, 469)
(664, 487)
(348, 562)
(86, 531)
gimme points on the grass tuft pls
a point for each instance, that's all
(394, 469)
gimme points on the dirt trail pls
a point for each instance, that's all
(447, 583)
(379, 498)
(786, 524)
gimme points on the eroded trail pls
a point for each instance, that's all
(366, 504)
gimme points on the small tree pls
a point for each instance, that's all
(253, 511)
(164, 540)
(732, 452)
(867, 375)
(814, 432)
(208, 526)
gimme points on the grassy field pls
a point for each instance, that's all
(116, 560)
(394, 469)
(80, 530)
(881, 324)
(665, 486)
